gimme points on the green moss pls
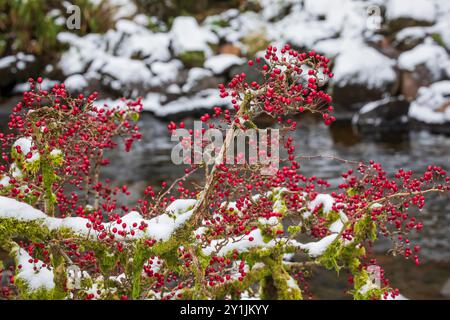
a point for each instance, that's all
(276, 285)
(192, 58)
(438, 39)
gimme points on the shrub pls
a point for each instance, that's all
(232, 237)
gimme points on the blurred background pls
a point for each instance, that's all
(391, 88)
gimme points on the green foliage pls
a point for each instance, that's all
(32, 26)
(28, 26)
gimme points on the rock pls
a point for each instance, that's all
(184, 105)
(416, 13)
(432, 106)
(362, 74)
(387, 112)
(190, 40)
(410, 82)
(430, 55)
(253, 73)
(255, 42)
(228, 48)
(16, 69)
(263, 120)
(122, 74)
(222, 63)
(422, 66)
(76, 83)
(409, 38)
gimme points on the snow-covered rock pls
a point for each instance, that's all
(419, 10)
(361, 64)
(362, 74)
(76, 83)
(223, 62)
(428, 54)
(205, 99)
(387, 112)
(400, 15)
(432, 105)
(199, 79)
(188, 36)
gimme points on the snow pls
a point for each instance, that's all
(165, 72)
(140, 41)
(4, 181)
(317, 248)
(241, 244)
(121, 8)
(411, 33)
(428, 105)
(6, 62)
(222, 62)
(25, 144)
(81, 52)
(159, 228)
(188, 36)
(205, 99)
(398, 297)
(361, 64)
(373, 105)
(292, 284)
(126, 71)
(75, 82)
(420, 10)
(41, 278)
(10, 208)
(195, 75)
(433, 56)
(323, 199)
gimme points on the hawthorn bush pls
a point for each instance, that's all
(232, 238)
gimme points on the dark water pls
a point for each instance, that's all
(149, 164)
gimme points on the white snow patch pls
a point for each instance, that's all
(317, 248)
(76, 82)
(360, 64)
(188, 36)
(41, 278)
(222, 62)
(426, 107)
(433, 56)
